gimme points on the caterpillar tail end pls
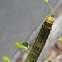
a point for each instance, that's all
(49, 19)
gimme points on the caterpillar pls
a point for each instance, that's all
(40, 40)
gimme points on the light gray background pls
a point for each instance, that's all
(18, 19)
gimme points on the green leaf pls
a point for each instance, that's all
(46, 1)
(60, 39)
(47, 61)
(17, 44)
(53, 15)
(6, 59)
(25, 45)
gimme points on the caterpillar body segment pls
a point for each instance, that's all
(40, 40)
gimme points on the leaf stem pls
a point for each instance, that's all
(51, 8)
(27, 51)
(53, 38)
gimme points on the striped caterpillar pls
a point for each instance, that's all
(40, 40)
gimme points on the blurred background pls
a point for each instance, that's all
(18, 20)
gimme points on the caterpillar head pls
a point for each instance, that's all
(49, 19)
